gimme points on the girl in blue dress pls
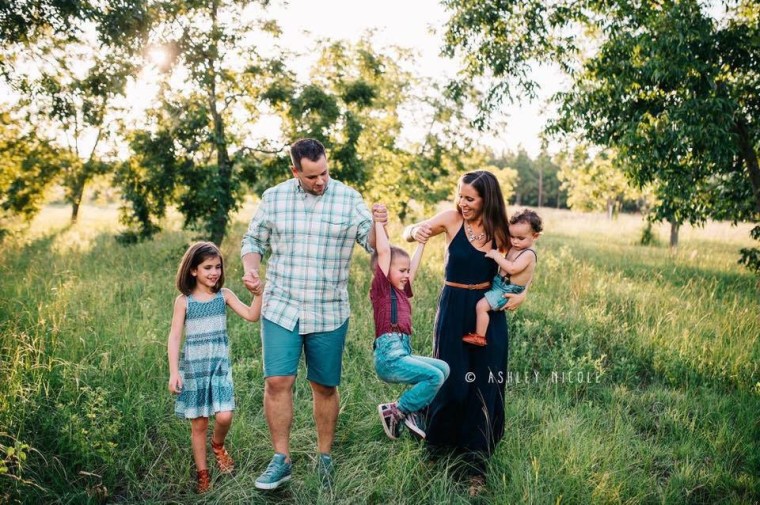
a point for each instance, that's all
(201, 376)
(467, 415)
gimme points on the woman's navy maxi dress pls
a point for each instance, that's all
(467, 414)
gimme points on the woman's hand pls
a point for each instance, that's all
(515, 300)
(175, 384)
(422, 232)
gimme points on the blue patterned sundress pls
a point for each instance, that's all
(204, 364)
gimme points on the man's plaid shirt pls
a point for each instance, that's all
(307, 272)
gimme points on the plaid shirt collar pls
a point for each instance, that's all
(303, 194)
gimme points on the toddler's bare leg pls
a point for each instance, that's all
(482, 317)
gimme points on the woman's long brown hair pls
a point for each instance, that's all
(494, 212)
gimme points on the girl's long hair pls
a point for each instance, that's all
(494, 212)
(194, 256)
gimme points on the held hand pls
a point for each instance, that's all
(175, 384)
(421, 233)
(379, 213)
(259, 290)
(515, 300)
(252, 282)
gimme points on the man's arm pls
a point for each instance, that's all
(255, 244)
(251, 264)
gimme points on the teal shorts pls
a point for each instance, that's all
(499, 288)
(323, 352)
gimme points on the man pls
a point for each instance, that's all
(310, 223)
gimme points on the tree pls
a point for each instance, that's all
(354, 102)
(196, 147)
(66, 62)
(507, 178)
(550, 191)
(20, 21)
(537, 184)
(672, 90)
(27, 167)
(200, 152)
(118, 24)
(527, 185)
(70, 108)
(595, 184)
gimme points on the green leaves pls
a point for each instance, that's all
(669, 88)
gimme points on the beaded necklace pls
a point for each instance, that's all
(471, 235)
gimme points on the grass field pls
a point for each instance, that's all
(634, 375)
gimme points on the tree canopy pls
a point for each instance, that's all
(669, 86)
(221, 73)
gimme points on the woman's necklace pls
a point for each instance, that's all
(471, 235)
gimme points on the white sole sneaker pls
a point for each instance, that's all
(382, 421)
(271, 485)
(414, 429)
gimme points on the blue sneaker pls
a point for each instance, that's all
(276, 473)
(325, 470)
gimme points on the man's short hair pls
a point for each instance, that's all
(310, 149)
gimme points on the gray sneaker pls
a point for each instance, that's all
(414, 422)
(276, 473)
(325, 470)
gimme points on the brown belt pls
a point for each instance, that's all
(482, 285)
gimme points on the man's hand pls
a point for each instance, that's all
(379, 213)
(260, 290)
(252, 282)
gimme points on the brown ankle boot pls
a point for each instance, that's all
(223, 459)
(203, 481)
(475, 339)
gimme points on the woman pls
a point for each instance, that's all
(467, 415)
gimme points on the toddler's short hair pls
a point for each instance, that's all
(395, 253)
(530, 217)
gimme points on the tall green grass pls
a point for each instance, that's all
(665, 344)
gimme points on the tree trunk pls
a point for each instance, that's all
(540, 187)
(218, 224)
(610, 207)
(674, 227)
(77, 193)
(85, 172)
(750, 157)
